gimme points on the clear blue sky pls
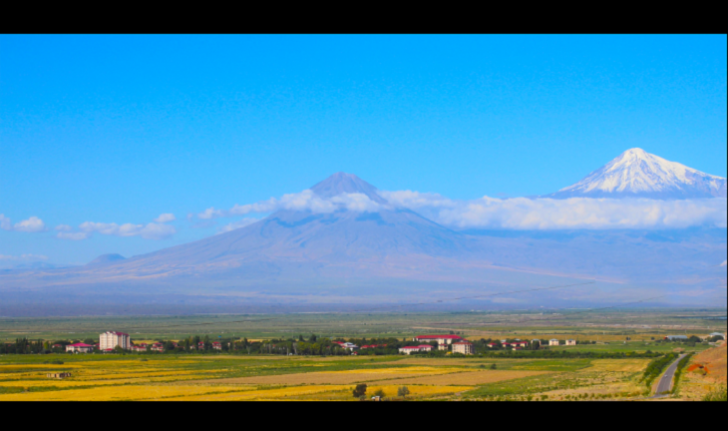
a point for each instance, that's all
(124, 128)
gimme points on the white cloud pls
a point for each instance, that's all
(575, 213)
(5, 223)
(307, 200)
(238, 224)
(515, 213)
(164, 218)
(725, 262)
(148, 231)
(415, 200)
(33, 224)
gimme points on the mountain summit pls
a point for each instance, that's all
(637, 173)
(341, 183)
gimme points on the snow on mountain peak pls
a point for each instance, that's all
(638, 173)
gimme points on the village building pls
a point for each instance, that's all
(677, 337)
(344, 345)
(554, 342)
(217, 345)
(139, 348)
(157, 347)
(408, 350)
(520, 344)
(463, 347)
(571, 342)
(112, 339)
(79, 348)
(442, 340)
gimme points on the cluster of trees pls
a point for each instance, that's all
(656, 367)
(690, 342)
(361, 392)
(24, 346)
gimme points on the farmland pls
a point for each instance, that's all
(241, 376)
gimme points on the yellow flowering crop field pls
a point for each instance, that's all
(116, 393)
(214, 377)
(467, 378)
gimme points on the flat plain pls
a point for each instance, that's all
(245, 377)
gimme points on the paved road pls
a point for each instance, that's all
(666, 381)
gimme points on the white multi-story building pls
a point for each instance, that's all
(464, 347)
(111, 339)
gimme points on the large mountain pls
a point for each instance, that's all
(369, 254)
(636, 173)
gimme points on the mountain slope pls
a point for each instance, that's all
(636, 173)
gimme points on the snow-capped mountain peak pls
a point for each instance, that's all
(637, 173)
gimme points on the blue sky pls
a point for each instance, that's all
(124, 128)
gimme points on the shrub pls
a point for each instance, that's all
(360, 391)
(719, 394)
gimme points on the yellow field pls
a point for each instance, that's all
(337, 392)
(73, 383)
(618, 365)
(466, 378)
(336, 377)
(117, 393)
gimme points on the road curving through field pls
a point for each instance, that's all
(665, 384)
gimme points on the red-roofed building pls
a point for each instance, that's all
(373, 346)
(79, 348)
(139, 348)
(217, 345)
(463, 347)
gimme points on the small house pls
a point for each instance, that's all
(554, 342)
(79, 348)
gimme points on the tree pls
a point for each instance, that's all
(380, 393)
(403, 392)
(360, 391)
(493, 367)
